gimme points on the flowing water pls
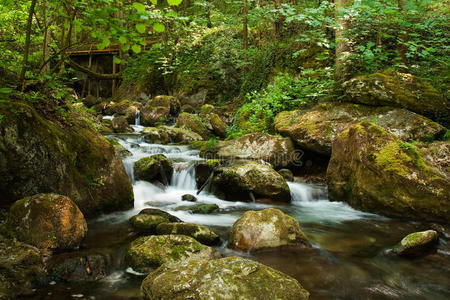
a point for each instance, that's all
(349, 260)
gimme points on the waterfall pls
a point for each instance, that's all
(301, 192)
(183, 177)
(138, 118)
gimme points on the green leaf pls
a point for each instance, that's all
(5, 90)
(139, 6)
(174, 2)
(122, 40)
(140, 28)
(136, 49)
(125, 47)
(117, 60)
(155, 2)
(158, 27)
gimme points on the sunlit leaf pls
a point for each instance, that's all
(139, 6)
(140, 28)
(136, 49)
(158, 27)
(5, 90)
(174, 2)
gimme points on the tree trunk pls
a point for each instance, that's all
(245, 33)
(343, 42)
(27, 45)
(46, 49)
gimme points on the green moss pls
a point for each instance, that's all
(392, 158)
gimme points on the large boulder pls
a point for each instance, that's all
(120, 125)
(151, 116)
(42, 156)
(417, 243)
(374, 171)
(316, 128)
(150, 252)
(170, 102)
(262, 180)
(21, 269)
(90, 100)
(155, 167)
(215, 123)
(199, 232)
(399, 90)
(266, 229)
(147, 222)
(193, 123)
(258, 146)
(47, 221)
(227, 278)
(166, 135)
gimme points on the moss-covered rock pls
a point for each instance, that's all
(399, 90)
(204, 209)
(226, 278)
(155, 167)
(170, 102)
(193, 123)
(218, 126)
(287, 174)
(90, 100)
(158, 212)
(47, 221)
(147, 222)
(41, 156)
(316, 128)
(21, 269)
(120, 125)
(204, 170)
(166, 135)
(265, 229)
(150, 252)
(199, 232)
(189, 197)
(262, 180)
(417, 243)
(151, 116)
(374, 171)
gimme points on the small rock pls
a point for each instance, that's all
(156, 167)
(188, 197)
(417, 243)
(204, 209)
(199, 232)
(147, 223)
(120, 125)
(158, 212)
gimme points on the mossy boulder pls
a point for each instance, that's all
(204, 209)
(262, 180)
(151, 116)
(417, 243)
(275, 150)
(218, 125)
(316, 128)
(189, 197)
(120, 125)
(40, 155)
(266, 229)
(227, 278)
(287, 174)
(90, 100)
(170, 102)
(204, 170)
(122, 108)
(398, 90)
(47, 221)
(150, 252)
(193, 123)
(21, 269)
(155, 167)
(199, 232)
(166, 135)
(158, 212)
(374, 171)
(147, 222)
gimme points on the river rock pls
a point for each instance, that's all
(374, 171)
(150, 252)
(166, 135)
(266, 229)
(21, 269)
(204, 209)
(193, 123)
(398, 90)
(189, 197)
(90, 100)
(218, 125)
(120, 125)
(226, 278)
(417, 243)
(151, 116)
(199, 232)
(258, 146)
(41, 156)
(170, 102)
(147, 222)
(155, 167)
(47, 221)
(287, 174)
(316, 128)
(158, 212)
(262, 180)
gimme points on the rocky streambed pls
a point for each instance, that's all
(341, 253)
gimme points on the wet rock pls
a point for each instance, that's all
(258, 146)
(417, 243)
(170, 102)
(151, 116)
(193, 123)
(263, 181)
(226, 278)
(266, 229)
(120, 125)
(316, 128)
(204, 209)
(204, 169)
(77, 267)
(218, 126)
(21, 269)
(150, 252)
(47, 221)
(155, 167)
(147, 222)
(188, 197)
(399, 90)
(121, 150)
(199, 232)
(166, 135)
(287, 174)
(106, 127)
(374, 171)
(41, 156)
(158, 212)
